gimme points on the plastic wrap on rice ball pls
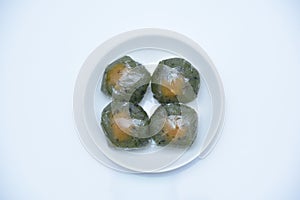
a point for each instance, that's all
(125, 80)
(125, 124)
(175, 80)
(174, 124)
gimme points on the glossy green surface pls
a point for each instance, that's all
(167, 71)
(132, 85)
(137, 117)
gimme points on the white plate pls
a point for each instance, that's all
(147, 46)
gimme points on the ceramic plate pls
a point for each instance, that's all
(147, 46)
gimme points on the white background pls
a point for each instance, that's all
(255, 47)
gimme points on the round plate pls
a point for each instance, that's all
(147, 46)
